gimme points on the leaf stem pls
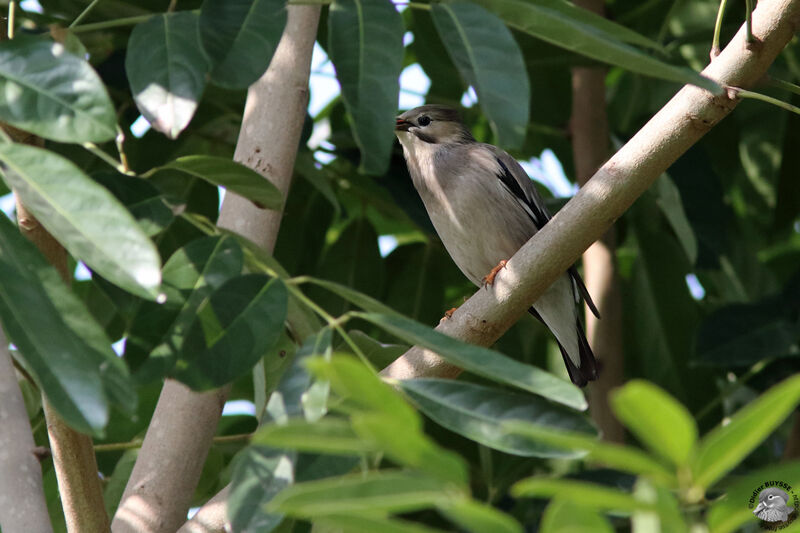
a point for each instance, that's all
(12, 10)
(120, 141)
(137, 443)
(4, 136)
(715, 49)
(748, 21)
(120, 167)
(415, 5)
(115, 23)
(742, 93)
(84, 13)
(781, 84)
(172, 5)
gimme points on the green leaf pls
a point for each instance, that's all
(240, 37)
(370, 492)
(669, 200)
(29, 290)
(365, 302)
(147, 205)
(620, 457)
(191, 275)
(743, 334)
(477, 517)
(49, 92)
(658, 420)
(329, 435)
(488, 58)
(258, 475)
(735, 508)
(478, 413)
(590, 495)
(561, 516)
(726, 446)
(167, 70)
(364, 523)
(84, 217)
(379, 354)
(365, 43)
(233, 176)
(234, 328)
(562, 28)
(356, 383)
(481, 361)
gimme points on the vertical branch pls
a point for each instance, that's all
(163, 480)
(24, 507)
(73, 454)
(590, 149)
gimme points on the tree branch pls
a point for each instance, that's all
(689, 115)
(590, 148)
(24, 507)
(158, 493)
(73, 455)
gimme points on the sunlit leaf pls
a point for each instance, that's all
(167, 69)
(84, 217)
(49, 92)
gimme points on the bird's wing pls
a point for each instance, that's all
(520, 185)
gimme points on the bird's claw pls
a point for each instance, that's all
(488, 279)
(448, 314)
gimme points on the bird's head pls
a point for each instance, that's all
(433, 124)
(772, 498)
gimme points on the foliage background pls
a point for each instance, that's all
(726, 214)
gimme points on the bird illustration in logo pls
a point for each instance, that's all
(773, 505)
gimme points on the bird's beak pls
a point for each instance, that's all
(402, 124)
(760, 507)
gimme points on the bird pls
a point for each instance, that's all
(772, 505)
(484, 207)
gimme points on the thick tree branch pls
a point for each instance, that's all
(590, 148)
(689, 115)
(158, 493)
(24, 507)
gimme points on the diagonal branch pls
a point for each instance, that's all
(690, 114)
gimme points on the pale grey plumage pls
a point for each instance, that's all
(485, 207)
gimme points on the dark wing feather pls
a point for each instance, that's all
(516, 180)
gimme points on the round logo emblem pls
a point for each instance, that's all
(775, 504)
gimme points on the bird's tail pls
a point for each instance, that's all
(586, 371)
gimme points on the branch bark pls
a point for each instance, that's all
(689, 115)
(163, 480)
(24, 507)
(590, 148)
(73, 453)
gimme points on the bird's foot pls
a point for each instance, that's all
(448, 314)
(488, 279)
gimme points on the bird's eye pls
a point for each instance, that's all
(424, 120)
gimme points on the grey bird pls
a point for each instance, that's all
(485, 207)
(773, 505)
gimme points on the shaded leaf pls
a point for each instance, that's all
(233, 329)
(669, 200)
(727, 445)
(258, 475)
(85, 218)
(373, 523)
(147, 205)
(379, 354)
(657, 419)
(329, 435)
(240, 37)
(49, 92)
(233, 176)
(479, 413)
(488, 58)
(481, 361)
(167, 70)
(365, 43)
(550, 22)
(29, 290)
